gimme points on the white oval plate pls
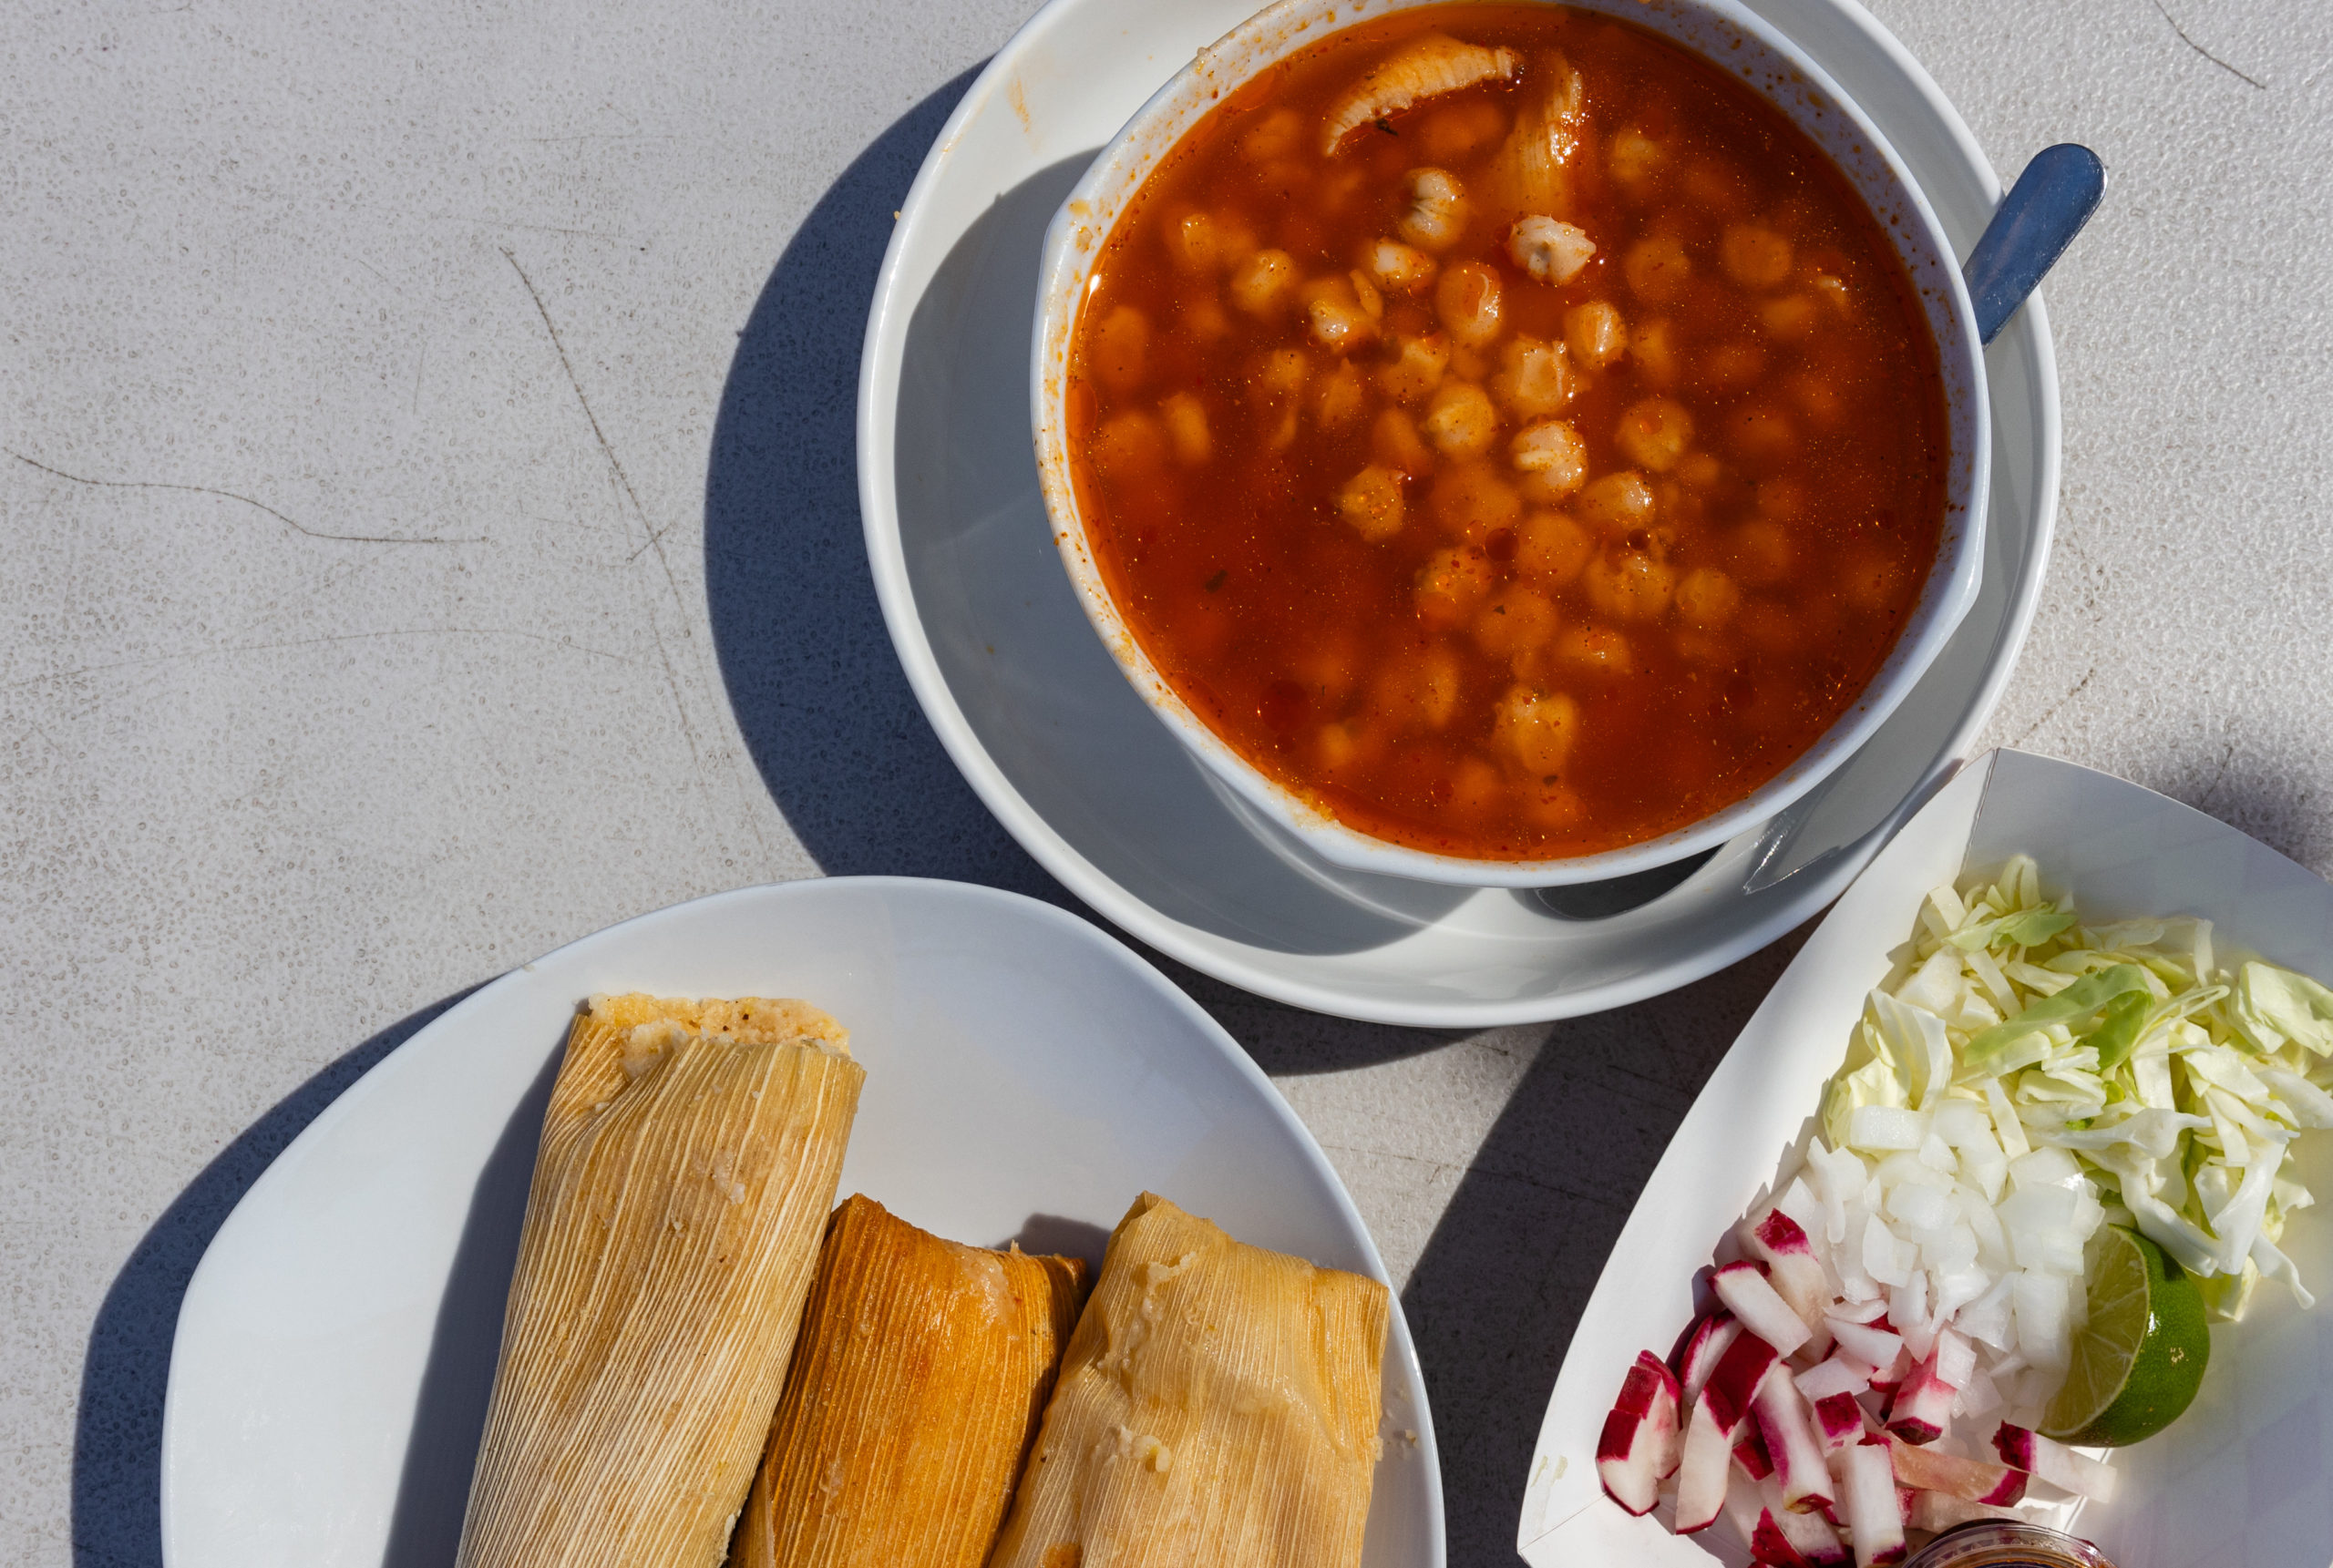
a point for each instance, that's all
(1036, 715)
(2241, 1479)
(1026, 1077)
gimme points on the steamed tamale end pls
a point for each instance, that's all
(670, 1234)
(922, 1372)
(615, 1038)
(756, 1020)
(1217, 1403)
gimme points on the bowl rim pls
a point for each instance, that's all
(1088, 214)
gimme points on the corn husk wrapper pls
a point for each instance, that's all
(1219, 1404)
(916, 1388)
(689, 1158)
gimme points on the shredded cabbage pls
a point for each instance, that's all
(2171, 1080)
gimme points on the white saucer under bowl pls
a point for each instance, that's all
(1047, 731)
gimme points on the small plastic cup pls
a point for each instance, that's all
(2006, 1544)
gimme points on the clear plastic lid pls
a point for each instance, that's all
(2006, 1544)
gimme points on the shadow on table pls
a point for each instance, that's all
(818, 694)
(118, 1431)
(450, 1411)
(1494, 1300)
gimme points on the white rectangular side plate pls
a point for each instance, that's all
(2245, 1479)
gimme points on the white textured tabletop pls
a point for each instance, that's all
(396, 400)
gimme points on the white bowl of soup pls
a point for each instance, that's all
(1511, 445)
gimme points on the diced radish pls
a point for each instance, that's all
(1811, 1536)
(1923, 1406)
(1711, 1431)
(1749, 1454)
(1844, 1373)
(1886, 1380)
(1938, 1511)
(1969, 1479)
(2054, 1462)
(1799, 1202)
(1698, 1353)
(1701, 1476)
(1743, 1287)
(1875, 1513)
(1867, 1342)
(1742, 1505)
(1870, 1311)
(1788, 1428)
(1735, 1379)
(1769, 1545)
(1792, 1266)
(1838, 1421)
(1640, 1442)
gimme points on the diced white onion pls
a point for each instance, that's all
(2045, 1167)
(2040, 1302)
(1923, 1208)
(1885, 1127)
(1884, 1258)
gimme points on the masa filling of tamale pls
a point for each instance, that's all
(689, 1158)
(1218, 1404)
(917, 1385)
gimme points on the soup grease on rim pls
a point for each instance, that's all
(1508, 431)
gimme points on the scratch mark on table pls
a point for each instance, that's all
(2203, 801)
(2034, 728)
(2223, 65)
(607, 449)
(560, 344)
(1438, 1167)
(45, 735)
(533, 228)
(1665, 1085)
(604, 136)
(296, 526)
(188, 655)
(1561, 1191)
(1468, 1168)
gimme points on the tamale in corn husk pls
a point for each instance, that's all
(688, 1161)
(1218, 1404)
(916, 1384)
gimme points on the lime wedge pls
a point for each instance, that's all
(2141, 1357)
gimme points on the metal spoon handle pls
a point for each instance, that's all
(2036, 222)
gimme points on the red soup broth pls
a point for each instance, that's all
(1479, 548)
